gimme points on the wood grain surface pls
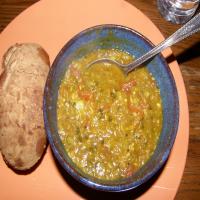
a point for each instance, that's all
(187, 54)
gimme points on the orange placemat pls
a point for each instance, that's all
(52, 23)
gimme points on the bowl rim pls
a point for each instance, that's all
(66, 166)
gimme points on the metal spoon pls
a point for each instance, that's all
(185, 31)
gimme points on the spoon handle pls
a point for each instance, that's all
(185, 31)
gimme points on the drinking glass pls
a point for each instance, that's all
(177, 11)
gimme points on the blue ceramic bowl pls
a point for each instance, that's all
(125, 39)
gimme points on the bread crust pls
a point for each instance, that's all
(22, 135)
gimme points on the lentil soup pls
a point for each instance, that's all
(108, 122)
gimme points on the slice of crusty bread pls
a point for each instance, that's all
(22, 134)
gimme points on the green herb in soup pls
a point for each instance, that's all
(108, 122)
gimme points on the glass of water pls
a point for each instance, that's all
(177, 11)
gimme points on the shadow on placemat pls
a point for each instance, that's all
(189, 53)
(88, 193)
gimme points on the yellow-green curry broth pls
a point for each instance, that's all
(109, 123)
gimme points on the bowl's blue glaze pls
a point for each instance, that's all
(112, 36)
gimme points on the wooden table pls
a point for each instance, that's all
(188, 57)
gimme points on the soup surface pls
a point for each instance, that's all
(108, 122)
